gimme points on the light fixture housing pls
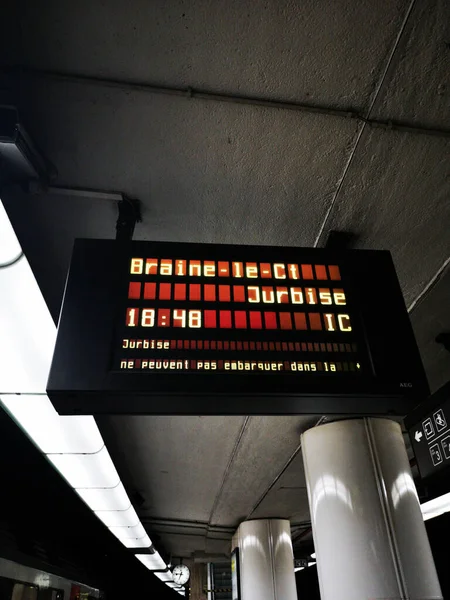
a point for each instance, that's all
(27, 331)
(141, 543)
(20, 155)
(119, 518)
(87, 470)
(72, 444)
(124, 533)
(50, 432)
(105, 499)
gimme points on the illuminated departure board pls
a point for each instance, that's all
(188, 315)
(161, 328)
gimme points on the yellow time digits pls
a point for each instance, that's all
(180, 318)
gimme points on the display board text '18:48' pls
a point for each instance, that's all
(239, 319)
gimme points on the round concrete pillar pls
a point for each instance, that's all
(369, 535)
(266, 560)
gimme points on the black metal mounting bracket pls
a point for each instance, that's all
(444, 339)
(340, 240)
(129, 214)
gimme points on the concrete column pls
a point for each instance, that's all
(266, 560)
(369, 535)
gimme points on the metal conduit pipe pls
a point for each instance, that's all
(191, 93)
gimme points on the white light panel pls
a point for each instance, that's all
(172, 584)
(153, 562)
(119, 518)
(313, 555)
(124, 533)
(435, 508)
(100, 499)
(87, 470)
(50, 432)
(144, 542)
(27, 332)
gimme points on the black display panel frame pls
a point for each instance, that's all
(82, 381)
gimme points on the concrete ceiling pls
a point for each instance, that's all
(210, 170)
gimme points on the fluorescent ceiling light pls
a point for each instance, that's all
(298, 569)
(313, 555)
(50, 432)
(310, 564)
(87, 470)
(10, 248)
(167, 576)
(124, 533)
(435, 508)
(99, 499)
(119, 518)
(154, 562)
(172, 584)
(27, 332)
(73, 444)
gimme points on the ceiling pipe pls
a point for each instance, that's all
(191, 93)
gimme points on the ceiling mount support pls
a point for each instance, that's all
(444, 339)
(129, 213)
(340, 240)
(20, 159)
